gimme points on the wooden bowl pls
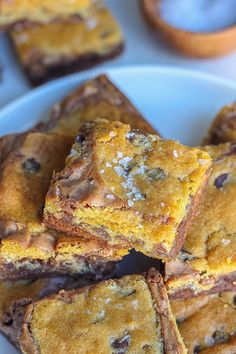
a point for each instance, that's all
(194, 44)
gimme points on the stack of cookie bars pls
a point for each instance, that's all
(53, 38)
(78, 193)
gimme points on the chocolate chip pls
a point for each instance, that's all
(232, 149)
(186, 256)
(120, 344)
(106, 34)
(31, 165)
(219, 181)
(220, 336)
(80, 138)
(156, 173)
(197, 349)
(234, 300)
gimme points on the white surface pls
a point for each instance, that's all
(180, 104)
(142, 47)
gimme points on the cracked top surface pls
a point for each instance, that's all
(207, 323)
(211, 241)
(58, 42)
(105, 318)
(114, 170)
(15, 12)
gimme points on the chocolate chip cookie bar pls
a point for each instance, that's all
(223, 128)
(98, 97)
(129, 315)
(27, 247)
(58, 49)
(19, 14)
(129, 189)
(207, 323)
(207, 263)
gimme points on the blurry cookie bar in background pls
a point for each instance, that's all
(98, 97)
(109, 186)
(20, 14)
(57, 48)
(223, 127)
(131, 314)
(207, 263)
(207, 323)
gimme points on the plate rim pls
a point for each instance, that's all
(73, 78)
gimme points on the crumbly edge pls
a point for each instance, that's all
(173, 343)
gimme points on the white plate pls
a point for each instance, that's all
(179, 103)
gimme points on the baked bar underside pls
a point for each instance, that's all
(109, 189)
(207, 263)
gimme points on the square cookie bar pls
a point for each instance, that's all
(27, 247)
(129, 189)
(207, 323)
(129, 315)
(98, 97)
(58, 49)
(223, 127)
(11, 291)
(207, 263)
(19, 14)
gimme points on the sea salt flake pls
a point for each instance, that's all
(162, 204)
(119, 154)
(108, 300)
(130, 203)
(134, 304)
(112, 134)
(175, 153)
(108, 164)
(102, 171)
(114, 160)
(110, 196)
(202, 161)
(101, 315)
(225, 242)
(119, 170)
